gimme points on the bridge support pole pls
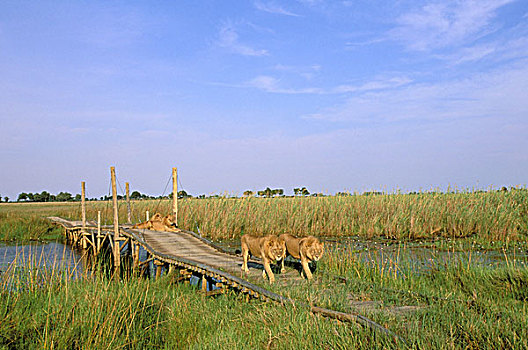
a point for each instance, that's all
(129, 211)
(83, 215)
(117, 248)
(159, 266)
(204, 284)
(175, 195)
(98, 245)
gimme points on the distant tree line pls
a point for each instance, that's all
(45, 196)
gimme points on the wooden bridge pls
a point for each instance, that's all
(191, 255)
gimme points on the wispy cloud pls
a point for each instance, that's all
(437, 25)
(274, 8)
(307, 72)
(274, 85)
(492, 95)
(378, 84)
(228, 38)
(271, 84)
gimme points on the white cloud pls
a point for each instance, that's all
(499, 50)
(379, 84)
(228, 38)
(441, 24)
(271, 84)
(275, 9)
(306, 72)
(498, 94)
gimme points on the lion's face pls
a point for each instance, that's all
(315, 250)
(156, 217)
(276, 249)
(169, 220)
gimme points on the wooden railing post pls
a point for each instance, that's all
(98, 231)
(83, 214)
(129, 219)
(175, 195)
(147, 215)
(117, 248)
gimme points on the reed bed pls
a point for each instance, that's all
(94, 312)
(489, 216)
(453, 305)
(497, 216)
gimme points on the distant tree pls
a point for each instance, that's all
(22, 197)
(304, 192)
(6, 199)
(135, 195)
(296, 191)
(248, 193)
(268, 192)
(280, 191)
(372, 193)
(64, 197)
(45, 196)
(77, 197)
(182, 194)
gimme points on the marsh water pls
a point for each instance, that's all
(49, 256)
(416, 256)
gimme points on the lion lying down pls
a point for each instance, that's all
(307, 249)
(158, 223)
(268, 248)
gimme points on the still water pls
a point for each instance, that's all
(57, 258)
(47, 256)
(416, 256)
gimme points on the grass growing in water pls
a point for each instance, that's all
(486, 216)
(454, 305)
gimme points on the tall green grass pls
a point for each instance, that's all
(493, 216)
(96, 312)
(453, 305)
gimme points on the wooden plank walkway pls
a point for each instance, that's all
(189, 246)
(198, 256)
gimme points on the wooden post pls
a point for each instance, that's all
(204, 284)
(136, 258)
(175, 195)
(129, 220)
(158, 265)
(117, 249)
(83, 215)
(147, 215)
(83, 204)
(98, 231)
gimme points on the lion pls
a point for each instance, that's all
(268, 248)
(158, 223)
(166, 223)
(307, 249)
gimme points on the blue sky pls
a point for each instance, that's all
(331, 95)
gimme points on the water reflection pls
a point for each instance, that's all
(39, 261)
(416, 256)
